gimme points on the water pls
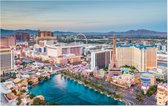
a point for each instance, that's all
(125, 70)
(64, 91)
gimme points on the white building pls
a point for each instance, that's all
(60, 50)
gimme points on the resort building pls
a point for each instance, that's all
(60, 50)
(160, 72)
(39, 49)
(7, 60)
(45, 35)
(22, 36)
(8, 41)
(100, 59)
(70, 58)
(162, 94)
(141, 57)
(125, 80)
(63, 54)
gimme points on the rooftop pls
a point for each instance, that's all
(140, 46)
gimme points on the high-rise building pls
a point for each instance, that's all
(8, 41)
(60, 50)
(64, 54)
(22, 36)
(141, 57)
(100, 59)
(7, 59)
(162, 94)
(76, 50)
(45, 35)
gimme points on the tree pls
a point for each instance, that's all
(31, 96)
(30, 82)
(14, 91)
(51, 103)
(151, 90)
(19, 101)
(139, 95)
(38, 101)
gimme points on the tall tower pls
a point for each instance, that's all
(113, 55)
(114, 52)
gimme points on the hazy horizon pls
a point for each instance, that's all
(86, 31)
(85, 16)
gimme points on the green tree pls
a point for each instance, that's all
(19, 101)
(30, 82)
(14, 91)
(152, 89)
(139, 95)
(38, 101)
(51, 103)
(31, 96)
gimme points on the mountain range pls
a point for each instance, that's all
(131, 33)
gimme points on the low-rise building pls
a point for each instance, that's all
(162, 94)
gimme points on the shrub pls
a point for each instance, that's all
(31, 96)
(51, 103)
(37, 101)
(14, 91)
(19, 101)
(30, 82)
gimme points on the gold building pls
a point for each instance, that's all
(141, 57)
(45, 35)
(7, 60)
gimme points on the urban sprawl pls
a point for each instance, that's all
(133, 71)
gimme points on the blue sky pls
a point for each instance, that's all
(85, 16)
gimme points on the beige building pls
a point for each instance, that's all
(141, 57)
(44, 35)
(71, 58)
(162, 94)
(60, 50)
(7, 59)
(64, 54)
(8, 41)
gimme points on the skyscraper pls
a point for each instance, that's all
(100, 59)
(7, 59)
(45, 35)
(8, 41)
(142, 57)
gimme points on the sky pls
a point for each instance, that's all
(85, 15)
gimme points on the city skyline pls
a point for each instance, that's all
(85, 16)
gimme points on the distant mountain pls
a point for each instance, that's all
(129, 33)
(140, 32)
(6, 32)
(63, 33)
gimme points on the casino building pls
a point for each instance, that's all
(100, 59)
(45, 35)
(65, 53)
(141, 57)
(7, 60)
